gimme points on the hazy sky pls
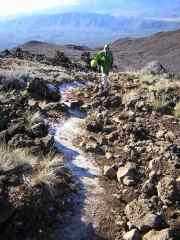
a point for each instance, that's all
(14, 7)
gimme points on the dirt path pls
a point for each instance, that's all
(88, 203)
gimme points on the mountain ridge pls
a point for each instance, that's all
(89, 29)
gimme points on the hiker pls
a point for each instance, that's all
(103, 60)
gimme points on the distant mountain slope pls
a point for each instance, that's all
(135, 53)
(78, 28)
(49, 49)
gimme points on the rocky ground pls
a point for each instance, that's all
(133, 133)
(34, 183)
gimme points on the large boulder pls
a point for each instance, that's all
(127, 174)
(154, 68)
(140, 215)
(60, 59)
(40, 89)
(37, 117)
(140, 133)
(134, 234)
(95, 126)
(9, 133)
(167, 190)
(165, 234)
(6, 53)
(17, 128)
(110, 171)
(86, 57)
(149, 188)
(48, 144)
(39, 130)
(112, 101)
(54, 106)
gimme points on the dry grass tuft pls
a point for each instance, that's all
(42, 170)
(42, 167)
(162, 92)
(148, 79)
(12, 158)
(158, 103)
(177, 110)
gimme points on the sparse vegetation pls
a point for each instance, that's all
(28, 119)
(41, 171)
(11, 158)
(148, 79)
(162, 91)
(14, 79)
(160, 104)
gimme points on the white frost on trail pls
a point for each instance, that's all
(89, 200)
(65, 135)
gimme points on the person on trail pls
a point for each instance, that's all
(103, 60)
